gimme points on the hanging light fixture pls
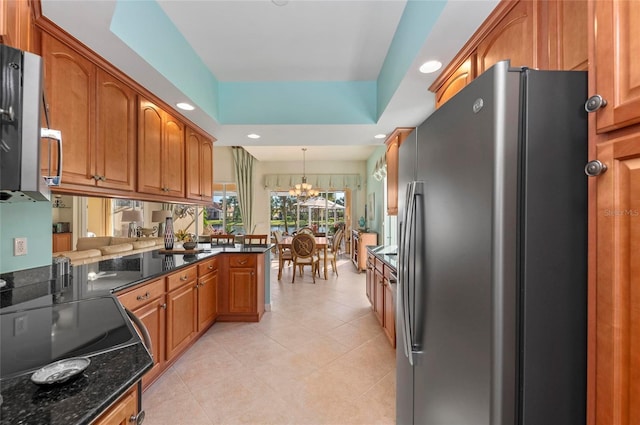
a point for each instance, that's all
(303, 190)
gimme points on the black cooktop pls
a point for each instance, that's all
(39, 332)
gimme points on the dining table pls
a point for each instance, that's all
(322, 242)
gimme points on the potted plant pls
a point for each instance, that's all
(188, 240)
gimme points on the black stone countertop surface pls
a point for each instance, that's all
(112, 371)
(387, 253)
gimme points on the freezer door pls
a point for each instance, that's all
(404, 370)
(463, 374)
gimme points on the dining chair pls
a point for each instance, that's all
(332, 254)
(255, 239)
(284, 255)
(303, 250)
(222, 239)
(306, 230)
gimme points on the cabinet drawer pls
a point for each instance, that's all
(142, 295)
(242, 260)
(388, 272)
(207, 266)
(379, 265)
(178, 279)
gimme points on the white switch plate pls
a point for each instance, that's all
(19, 246)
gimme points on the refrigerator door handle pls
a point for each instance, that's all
(407, 257)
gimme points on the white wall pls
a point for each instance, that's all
(223, 172)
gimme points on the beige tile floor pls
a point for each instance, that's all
(319, 357)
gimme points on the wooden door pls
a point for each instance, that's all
(16, 24)
(391, 158)
(206, 170)
(242, 290)
(378, 297)
(617, 291)
(512, 38)
(115, 155)
(617, 63)
(173, 161)
(61, 242)
(182, 305)
(121, 412)
(153, 315)
(194, 141)
(70, 89)
(389, 319)
(460, 78)
(568, 37)
(150, 133)
(207, 300)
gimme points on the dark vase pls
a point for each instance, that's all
(168, 233)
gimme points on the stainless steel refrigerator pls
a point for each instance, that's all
(492, 275)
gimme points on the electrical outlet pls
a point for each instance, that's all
(19, 246)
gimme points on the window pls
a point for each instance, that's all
(223, 215)
(323, 213)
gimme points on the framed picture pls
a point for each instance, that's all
(371, 206)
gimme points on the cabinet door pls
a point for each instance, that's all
(568, 35)
(242, 290)
(207, 300)
(615, 383)
(153, 315)
(61, 242)
(206, 170)
(617, 63)
(70, 88)
(121, 412)
(378, 305)
(150, 130)
(194, 165)
(116, 133)
(16, 24)
(182, 307)
(389, 319)
(173, 161)
(512, 38)
(370, 279)
(460, 78)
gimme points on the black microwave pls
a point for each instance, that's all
(21, 176)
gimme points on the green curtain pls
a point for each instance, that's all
(244, 179)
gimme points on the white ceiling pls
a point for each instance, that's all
(303, 40)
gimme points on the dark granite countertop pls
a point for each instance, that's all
(54, 302)
(388, 254)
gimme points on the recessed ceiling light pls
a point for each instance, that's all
(185, 106)
(380, 136)
(430, 66)
(253, 136)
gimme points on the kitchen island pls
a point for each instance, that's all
(45, 319)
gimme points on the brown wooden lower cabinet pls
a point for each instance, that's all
(207, 293)
(178, 308)
(182, 310)
(122, 412)
(381, 296)
(242, 294)
(61, 242)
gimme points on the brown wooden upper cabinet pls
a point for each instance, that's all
(96, 115)
(617, 42)
(393, 143)
(199, 166)
(537, 34)
(614, 139)
(16, 24)
(161, 152)
(512, 38)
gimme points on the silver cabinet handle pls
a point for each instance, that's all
(210, 267)
(143, 297)
(594, 168)
(594, 103)
(185, 277)
(137, 419)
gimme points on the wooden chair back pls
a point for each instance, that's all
(222, 239)
(303, 245)
(306, 230)
(255, 239)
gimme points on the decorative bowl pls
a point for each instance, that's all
(189, 245)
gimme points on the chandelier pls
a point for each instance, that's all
(303, 190)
